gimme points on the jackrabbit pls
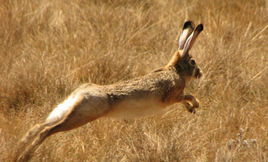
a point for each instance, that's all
(130, 99)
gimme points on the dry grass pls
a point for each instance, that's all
(50, 47)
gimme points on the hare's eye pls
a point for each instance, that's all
(192, 62)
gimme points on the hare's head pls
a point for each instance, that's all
(182, 60)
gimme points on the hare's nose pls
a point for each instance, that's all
(198, 73)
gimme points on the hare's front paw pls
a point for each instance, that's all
(191, 103)
(190, 107)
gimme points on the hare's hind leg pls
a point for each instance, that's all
(86, 110)
(78, 109)
(26, 153)
(191, 103)
(29, 142)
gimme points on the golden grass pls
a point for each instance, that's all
(48, 48)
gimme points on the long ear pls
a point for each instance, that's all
(187, 29)
(191, 39)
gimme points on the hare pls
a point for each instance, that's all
(130, 99)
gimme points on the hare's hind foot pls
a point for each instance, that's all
(191, 103)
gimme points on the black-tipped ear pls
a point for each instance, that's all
(191, 39)
(188, 24)
(187, 29)
(199, 28)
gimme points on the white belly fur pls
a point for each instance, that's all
(136, 109)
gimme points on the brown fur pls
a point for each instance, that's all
(134, 98)
(175, 58)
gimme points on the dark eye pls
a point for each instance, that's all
(192, 62)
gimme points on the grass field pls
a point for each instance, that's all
(50, 47)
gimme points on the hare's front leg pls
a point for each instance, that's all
(191, 103)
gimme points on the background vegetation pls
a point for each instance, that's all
(48, 48)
